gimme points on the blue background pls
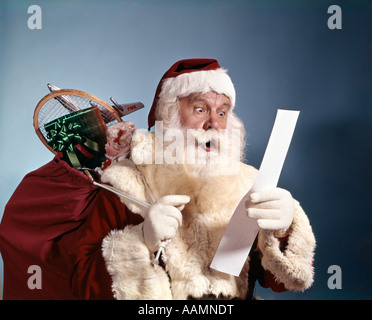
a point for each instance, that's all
(280, 54)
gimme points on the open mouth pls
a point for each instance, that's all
(208, 146)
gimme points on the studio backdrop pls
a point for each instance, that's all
(312, 56)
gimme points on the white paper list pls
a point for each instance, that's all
(241, 231)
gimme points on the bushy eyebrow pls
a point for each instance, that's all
(199, 98)
(196, 99)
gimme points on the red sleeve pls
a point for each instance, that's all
(90, 279)
(268, 280)
(257, 273)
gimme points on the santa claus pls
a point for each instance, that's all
(187, 178)
(191, 192)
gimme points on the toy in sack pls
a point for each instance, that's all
(74, 123)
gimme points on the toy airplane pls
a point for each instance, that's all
(121, 109)
(67, 102)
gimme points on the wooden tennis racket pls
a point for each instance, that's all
(63, 102)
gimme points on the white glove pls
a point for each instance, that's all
(163, 219)
(273, 209)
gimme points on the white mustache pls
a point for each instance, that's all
(187, 146)
(212, 138)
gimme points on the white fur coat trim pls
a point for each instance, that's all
(293, 266)
(128, 262)
(198, 81)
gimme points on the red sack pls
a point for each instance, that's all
(56, 219)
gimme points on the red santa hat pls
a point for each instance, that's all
(189, 76)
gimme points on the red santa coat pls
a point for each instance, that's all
(56, 219)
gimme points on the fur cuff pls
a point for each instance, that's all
(128, 261)
(124, 176)
(294, 266)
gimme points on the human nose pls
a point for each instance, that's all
(211, 123)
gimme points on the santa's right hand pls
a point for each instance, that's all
(163, 219)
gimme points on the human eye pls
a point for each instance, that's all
(199, 110)
(222, 113)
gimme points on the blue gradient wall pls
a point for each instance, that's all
(280, 54)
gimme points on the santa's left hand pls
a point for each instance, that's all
(273, 209)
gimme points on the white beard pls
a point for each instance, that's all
(203, 153)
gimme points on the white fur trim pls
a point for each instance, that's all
(124, 176)
(197, 82)
(204, 220)
(128, 261)
(142, 146)
(294, 266)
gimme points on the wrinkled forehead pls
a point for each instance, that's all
(210, 97)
